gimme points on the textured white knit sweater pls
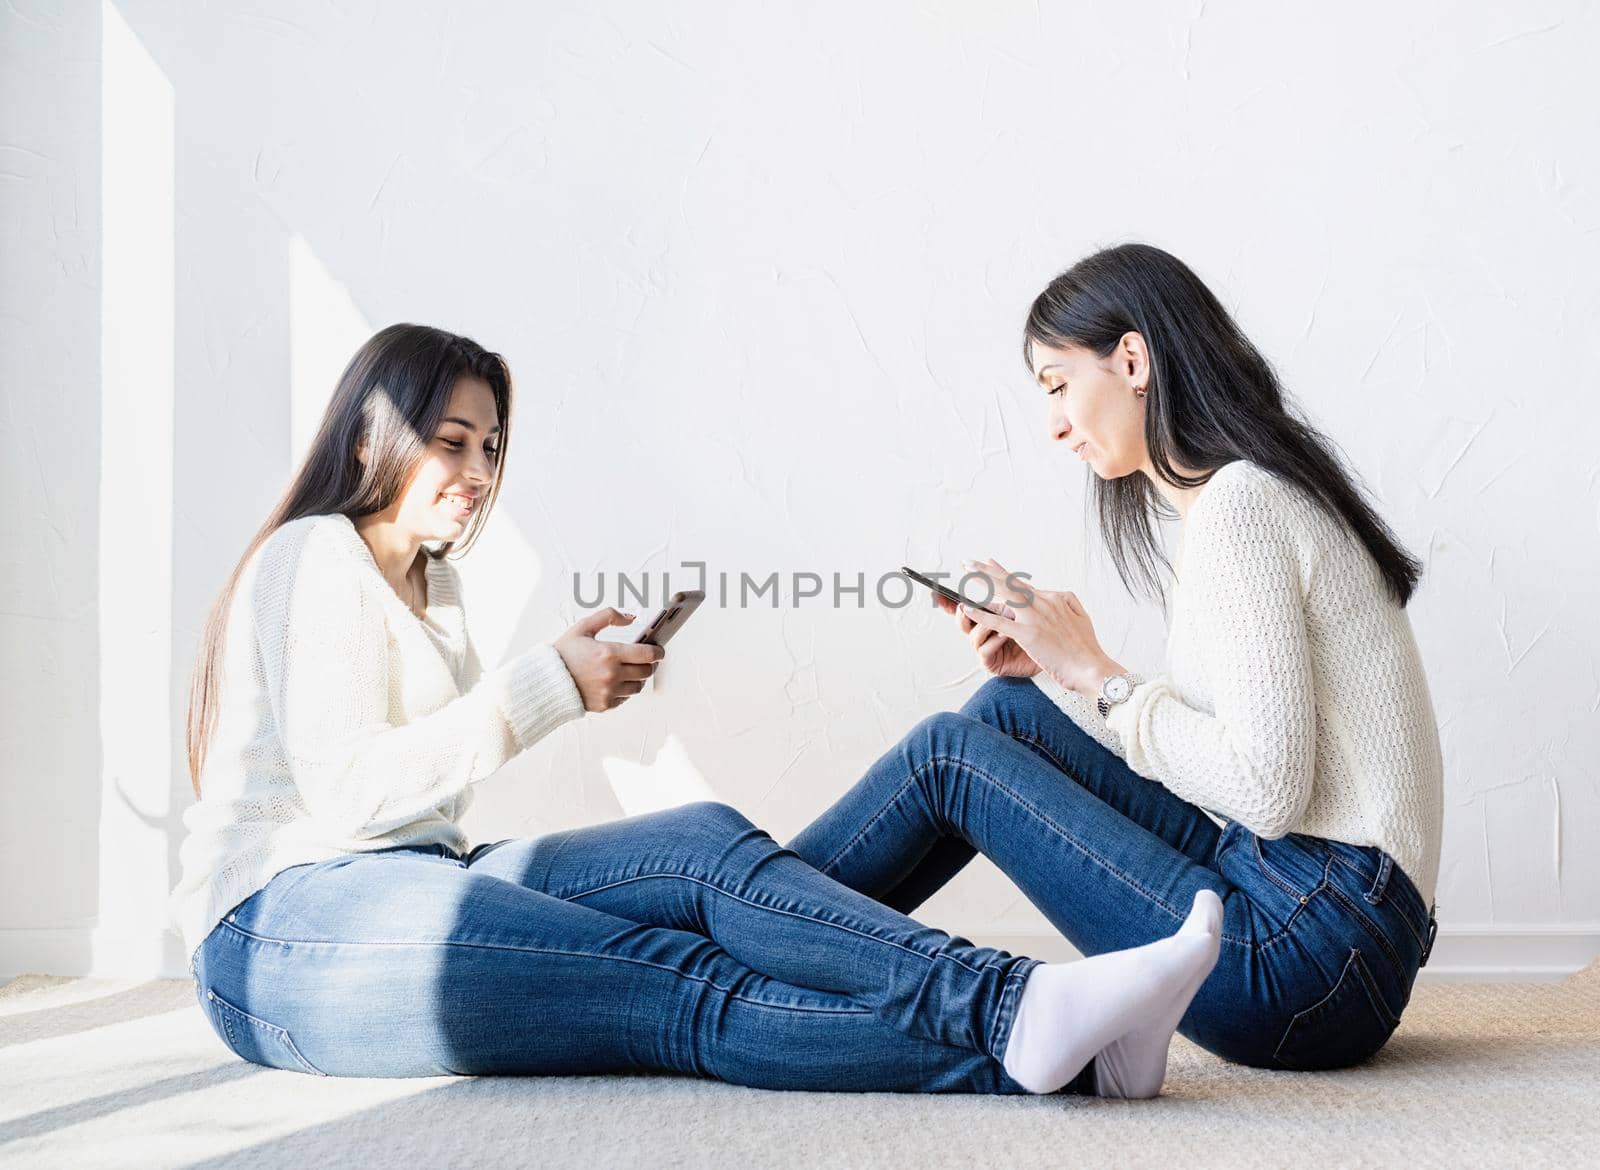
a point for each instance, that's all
(345, 722)
(1293, 697)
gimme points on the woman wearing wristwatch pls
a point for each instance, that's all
(1287, 757)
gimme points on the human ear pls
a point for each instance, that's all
(1135, 358)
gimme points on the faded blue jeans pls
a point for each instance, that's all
(1321, 940)
(683, 941)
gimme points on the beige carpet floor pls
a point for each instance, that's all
(94, 1073)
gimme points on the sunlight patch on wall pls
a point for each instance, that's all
(667, 781)
(325, 330)
(138, 297)
(498, 575)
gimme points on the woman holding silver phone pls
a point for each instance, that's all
(339, 922)
(1286, 758)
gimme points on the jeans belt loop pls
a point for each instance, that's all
(1433, 931)
(1380, 883)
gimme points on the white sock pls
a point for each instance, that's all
(1135, 1064)
(1069, 1012)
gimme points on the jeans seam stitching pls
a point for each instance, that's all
(569, 954)
(1005, 1008)
(1282, 883)
(1369, 985)
(1405, 916)
(827, 866)
(1258, 945)
(573, 897)
(1372, 929)
(1043, 749)
(1045, 820)
(274, 1030)
(1374, 1000)
(1104, 863)
(1400, 906)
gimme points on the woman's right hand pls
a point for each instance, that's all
(998, 654)
(608, 674)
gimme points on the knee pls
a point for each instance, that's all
(939, 727)
(945, 736)
(713, 819)
(990, 702)
(718, 841)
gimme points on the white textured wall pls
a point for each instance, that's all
(760, 272)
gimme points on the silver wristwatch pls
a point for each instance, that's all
(1114, 690)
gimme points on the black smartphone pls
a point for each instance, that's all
(945, 591)
(670, 620)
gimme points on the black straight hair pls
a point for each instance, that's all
(389, 400)
(1211, 399)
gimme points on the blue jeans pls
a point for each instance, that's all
(683, 941)
(1321, 940)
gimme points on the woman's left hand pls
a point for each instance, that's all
(1052, 628)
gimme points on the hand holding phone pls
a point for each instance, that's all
(998, 654)
(605, 673)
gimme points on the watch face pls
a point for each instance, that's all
(1118, 688)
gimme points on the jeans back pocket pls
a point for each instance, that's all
(1342, 1028)
(254, 1039)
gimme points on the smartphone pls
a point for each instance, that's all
(944, 591)
(670, 620)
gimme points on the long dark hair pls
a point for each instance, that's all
(390, 397)
(1211, 399)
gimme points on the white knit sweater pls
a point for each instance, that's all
(1293, 697)
(345, 722)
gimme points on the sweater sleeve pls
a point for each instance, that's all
(324, 652)
(1251, 760)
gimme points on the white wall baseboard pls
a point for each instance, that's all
(79, 951)
(1488, 953)
(1497, 954)
(64, 951)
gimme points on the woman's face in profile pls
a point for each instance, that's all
(1093, 408)
(458, 465)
